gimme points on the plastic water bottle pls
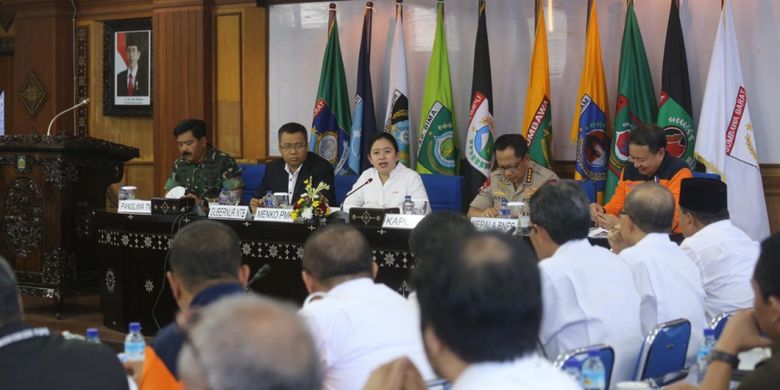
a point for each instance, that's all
(224, 196)
(134, 343)
(593, 373)
(268, 200)
(703, 356)
(573, 367)
(504, 212)
(92, 336)
(408, 206)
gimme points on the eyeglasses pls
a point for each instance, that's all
(511, 168)
(299, 146)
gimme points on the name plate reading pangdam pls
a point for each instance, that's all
(237, 213)
(500, 224)
(273, 215)
(401, 221)
(134, 207)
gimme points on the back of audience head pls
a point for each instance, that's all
(766, 283)
(559, 212)
(484, 305)
(205, 253)
(702, 202)
(437, 233)
(335, 254)
(249, 342)
(650, 208)
(10, 302)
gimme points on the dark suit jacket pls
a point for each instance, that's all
(141, 83)
(318, 168)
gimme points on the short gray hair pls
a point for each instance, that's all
(10, 309)
(650, 207)
(250, 342)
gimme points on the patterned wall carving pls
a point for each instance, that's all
(32, 93)
(82, 79)
(23, 216)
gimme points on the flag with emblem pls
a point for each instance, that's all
(674, 113)
(479, 140)
(537, 126)
(726, 142)
(397, 118)
(364, 118)
(635, 98)
(329, 133)
(437, 136)
(590, 124)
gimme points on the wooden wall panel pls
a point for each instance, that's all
(228, 115)
(255, 71)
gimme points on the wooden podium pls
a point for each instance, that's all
(49, 189)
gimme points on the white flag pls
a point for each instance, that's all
(397, 118)
(725, 142)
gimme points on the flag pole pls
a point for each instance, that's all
(536, 13)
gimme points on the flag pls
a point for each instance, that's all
(726, 144)
(635, 101)
(329, 137)
(675, 111)
(437, 139)
(537, 125)
(397, 118)
(363, 119)
(479, 140)
(590, 124)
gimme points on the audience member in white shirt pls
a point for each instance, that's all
(356, 324)
(667, 280)
(724, 254)
(588, 292)
(390, 182)
(480, 310)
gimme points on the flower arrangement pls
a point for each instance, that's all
(311, 205)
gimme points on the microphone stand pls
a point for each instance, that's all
(81, 103)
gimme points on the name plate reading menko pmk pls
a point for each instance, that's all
(273, 215)
(134, 207)
(221, 211)
(500, 224)
(401, 221)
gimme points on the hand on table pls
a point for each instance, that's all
(254, 203)
(399, 374)
(490, 212)
(607, 221)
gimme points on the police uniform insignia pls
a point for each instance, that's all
(529, 175)
(485, 185)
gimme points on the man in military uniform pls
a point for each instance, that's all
(515, 178)
(202, 169)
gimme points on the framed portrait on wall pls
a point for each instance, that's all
(127, 67)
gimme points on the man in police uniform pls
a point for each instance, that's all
(202, 169)
(515, 178)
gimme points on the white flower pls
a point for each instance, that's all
(307, 213)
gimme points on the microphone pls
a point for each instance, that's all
(370, 179)
(262, 272)
(82, 103)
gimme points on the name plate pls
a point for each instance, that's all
(135, 207)
(273, 215)
(221, 211)
(500, 224)
(401, 221)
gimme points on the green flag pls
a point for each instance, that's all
(636, 98)
(438, 138)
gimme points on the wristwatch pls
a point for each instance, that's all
(725, 357)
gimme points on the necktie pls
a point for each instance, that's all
(130, 84)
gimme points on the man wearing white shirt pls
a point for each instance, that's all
(668, 281)
(724, 254)
(480, 310)
(589, 293)
(356, 324)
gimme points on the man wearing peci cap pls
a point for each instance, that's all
(724, 254)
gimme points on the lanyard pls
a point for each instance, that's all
(22, 335)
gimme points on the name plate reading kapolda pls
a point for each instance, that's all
(401, 221)
(273, 215)
(221, 211)
(134, 207)
(500, 224)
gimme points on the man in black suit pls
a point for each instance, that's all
(133, 81)
(297, 164)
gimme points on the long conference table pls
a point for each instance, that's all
(132, 252)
